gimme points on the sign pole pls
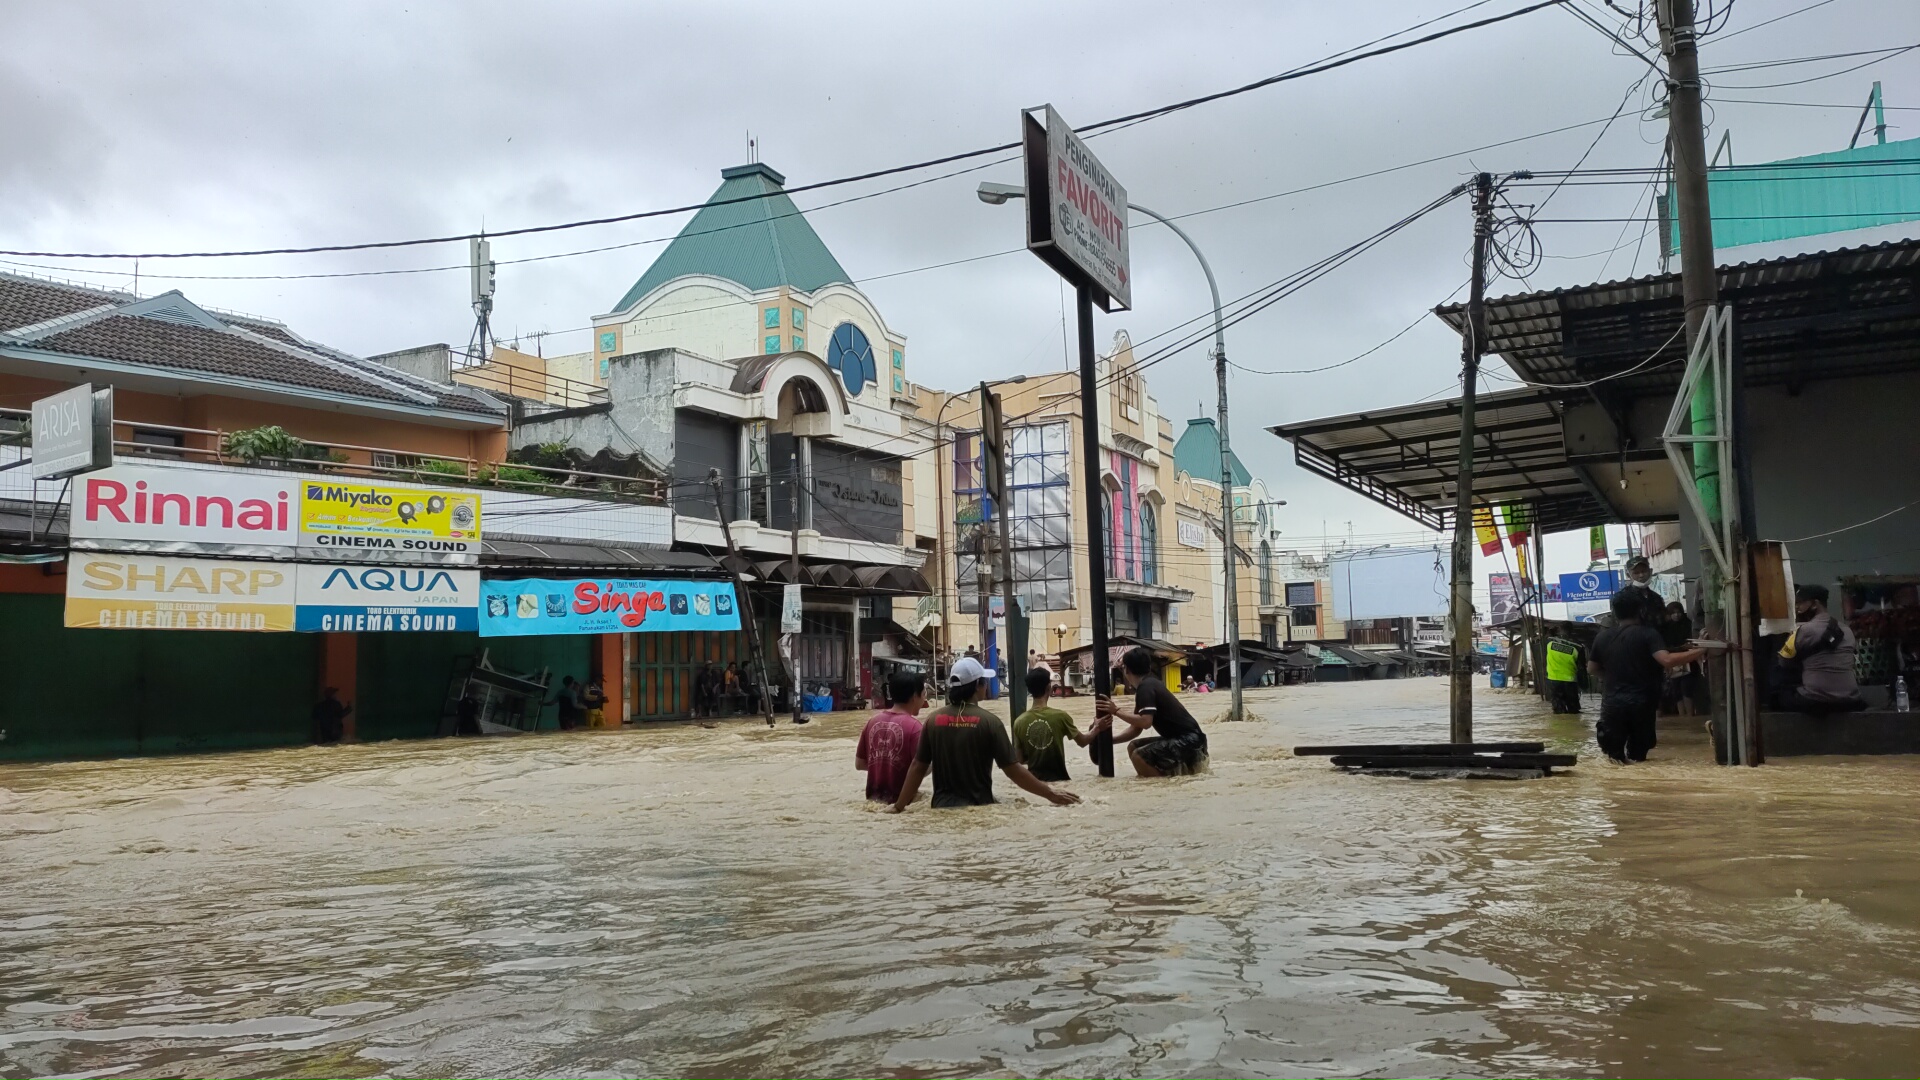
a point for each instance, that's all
(1096, 525)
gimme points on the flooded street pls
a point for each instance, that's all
(692, 901)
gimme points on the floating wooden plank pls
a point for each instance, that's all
(1454, 761)
(1422, 748)
(1458, 774)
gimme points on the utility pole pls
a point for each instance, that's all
(1727, 603)
(993, 446)
(1460, 709)
(1096, 525)
(793, 575)
(742, 602)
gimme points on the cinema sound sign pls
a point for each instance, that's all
(147, 516)
(115, 590)
(235, 512)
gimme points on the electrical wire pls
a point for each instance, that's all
(1775, 19)
(1396, 337)
(1634, 370)
(1817, 78)
(1338, 61)
(1855, 525)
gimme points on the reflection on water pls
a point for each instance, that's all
(722, 902)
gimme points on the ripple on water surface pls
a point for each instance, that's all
(721, 901)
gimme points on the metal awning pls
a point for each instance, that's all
(1406, 458)
(1599, 365)
(1832, 314)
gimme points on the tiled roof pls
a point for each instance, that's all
(749, 232)
(172, 334)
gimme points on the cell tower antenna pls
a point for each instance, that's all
(480, 264)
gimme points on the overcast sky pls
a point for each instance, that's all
(199, 126)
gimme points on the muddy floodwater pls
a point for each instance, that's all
(694, 901)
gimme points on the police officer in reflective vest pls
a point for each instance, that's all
(1563, 675)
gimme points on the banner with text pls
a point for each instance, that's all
(334, 598)
(357, 518)
(537, 606)
(116, 591)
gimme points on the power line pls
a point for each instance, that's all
(1157, 111)
(1817, 78)
(1776, 18)
(1404, 331)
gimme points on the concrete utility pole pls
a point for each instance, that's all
(1460, 709)
(793, 573)
(1727, 604)
(742, 602)
(997, 458)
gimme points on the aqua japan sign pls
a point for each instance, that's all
(529, 607)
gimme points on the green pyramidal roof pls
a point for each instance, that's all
(1198, 454)
(759, 242)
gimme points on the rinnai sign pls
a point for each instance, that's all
(137, 503)
(191, 509)
(72, 432)
(1076, 211)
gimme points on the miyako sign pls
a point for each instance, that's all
(264, 512)
(341, 516)
(112, 591)
(1076, 210)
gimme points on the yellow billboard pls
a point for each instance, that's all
(369, 518)
(113, 591)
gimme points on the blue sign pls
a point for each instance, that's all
(350, 598)
(527, 607)
(1592, 585)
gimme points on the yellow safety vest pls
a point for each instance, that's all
(1562, 657)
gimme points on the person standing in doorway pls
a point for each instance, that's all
(1632, 661)
(891, 739)
(330, 717)
(962, 744)
(1179, 746)
(572, 710)
(1040, 734)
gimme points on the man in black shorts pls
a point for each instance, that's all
(1180, 746)
(1631, 658)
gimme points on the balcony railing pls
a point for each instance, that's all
(139, 440)
(555, 390)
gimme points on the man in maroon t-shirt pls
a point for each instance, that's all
(891, 738)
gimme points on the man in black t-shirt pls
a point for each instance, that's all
(1632, 660)
(1180, 746)
(962, 743)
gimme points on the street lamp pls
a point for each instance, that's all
(997, 195)
(941, 479)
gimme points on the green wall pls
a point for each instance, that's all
(404, 677)
(93, 693)
(108, 693)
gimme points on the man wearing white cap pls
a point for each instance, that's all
(962, 743)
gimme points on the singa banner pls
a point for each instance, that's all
(536, 606)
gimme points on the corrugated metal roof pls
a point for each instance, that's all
(1404, 458)
(761, 242)
(1846, 312)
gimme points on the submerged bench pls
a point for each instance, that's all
(1792, 734)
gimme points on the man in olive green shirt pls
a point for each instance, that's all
(1040, 733)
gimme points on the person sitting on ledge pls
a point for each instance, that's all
(1816, 663)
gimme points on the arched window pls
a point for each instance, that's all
(1106, 530)
(849, 354)
(1149, 545)
(1266, 572)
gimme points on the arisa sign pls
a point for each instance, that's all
(1076, 211)
(72, 432)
